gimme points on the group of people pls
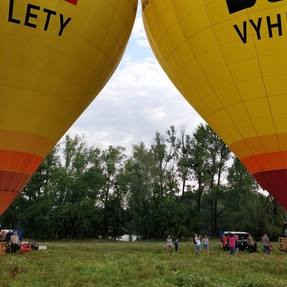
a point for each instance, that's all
(12, 238)
(198, 241)
(202, 242)
(172, 244)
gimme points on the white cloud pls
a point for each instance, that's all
(138, 101)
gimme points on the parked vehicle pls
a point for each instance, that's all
(240, 240)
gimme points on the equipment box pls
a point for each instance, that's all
(283, 243)
(25, 247)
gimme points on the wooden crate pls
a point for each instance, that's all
(283, 243)
(2, 247)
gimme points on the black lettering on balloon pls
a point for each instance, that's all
(238, 5)
(63, 23)
(242, 34)
(29, 15)
(257, 27)
(145, 3)
(11, 12)
(277, 25)
(49, 14)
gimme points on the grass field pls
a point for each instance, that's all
(95, 263)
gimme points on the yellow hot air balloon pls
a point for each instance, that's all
(55, 56)
(229, 59)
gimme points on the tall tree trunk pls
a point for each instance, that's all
(183, 186)
(106, 219)
(199, 194)
(198, 203)
(107, 193)
(211, 213)
(215, 200)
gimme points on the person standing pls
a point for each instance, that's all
(232, 244)
(205, 243)
(197, 244)
(266, 243)
(2, 235)
(14, 242)
(221, 237)
(176, 244)
(169, 244)
(251, 244)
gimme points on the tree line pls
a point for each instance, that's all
(181, 184)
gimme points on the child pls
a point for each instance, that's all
(205, 243)
(169, 244)
(197, 244)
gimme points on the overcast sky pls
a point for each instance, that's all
(137, 101)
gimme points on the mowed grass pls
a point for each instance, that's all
(97, 263)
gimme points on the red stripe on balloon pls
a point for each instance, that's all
(274, 182)
(11, 184)
(72, 1)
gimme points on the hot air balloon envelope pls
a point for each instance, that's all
(229, 59)
(55, 56)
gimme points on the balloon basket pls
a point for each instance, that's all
(3, 247)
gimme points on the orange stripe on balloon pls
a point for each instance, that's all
(25, 142)
(260, 145)
(19, 162)
(266, 162)
(11, 184)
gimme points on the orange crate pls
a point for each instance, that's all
(2, 247)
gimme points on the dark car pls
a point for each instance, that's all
(240, 240)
